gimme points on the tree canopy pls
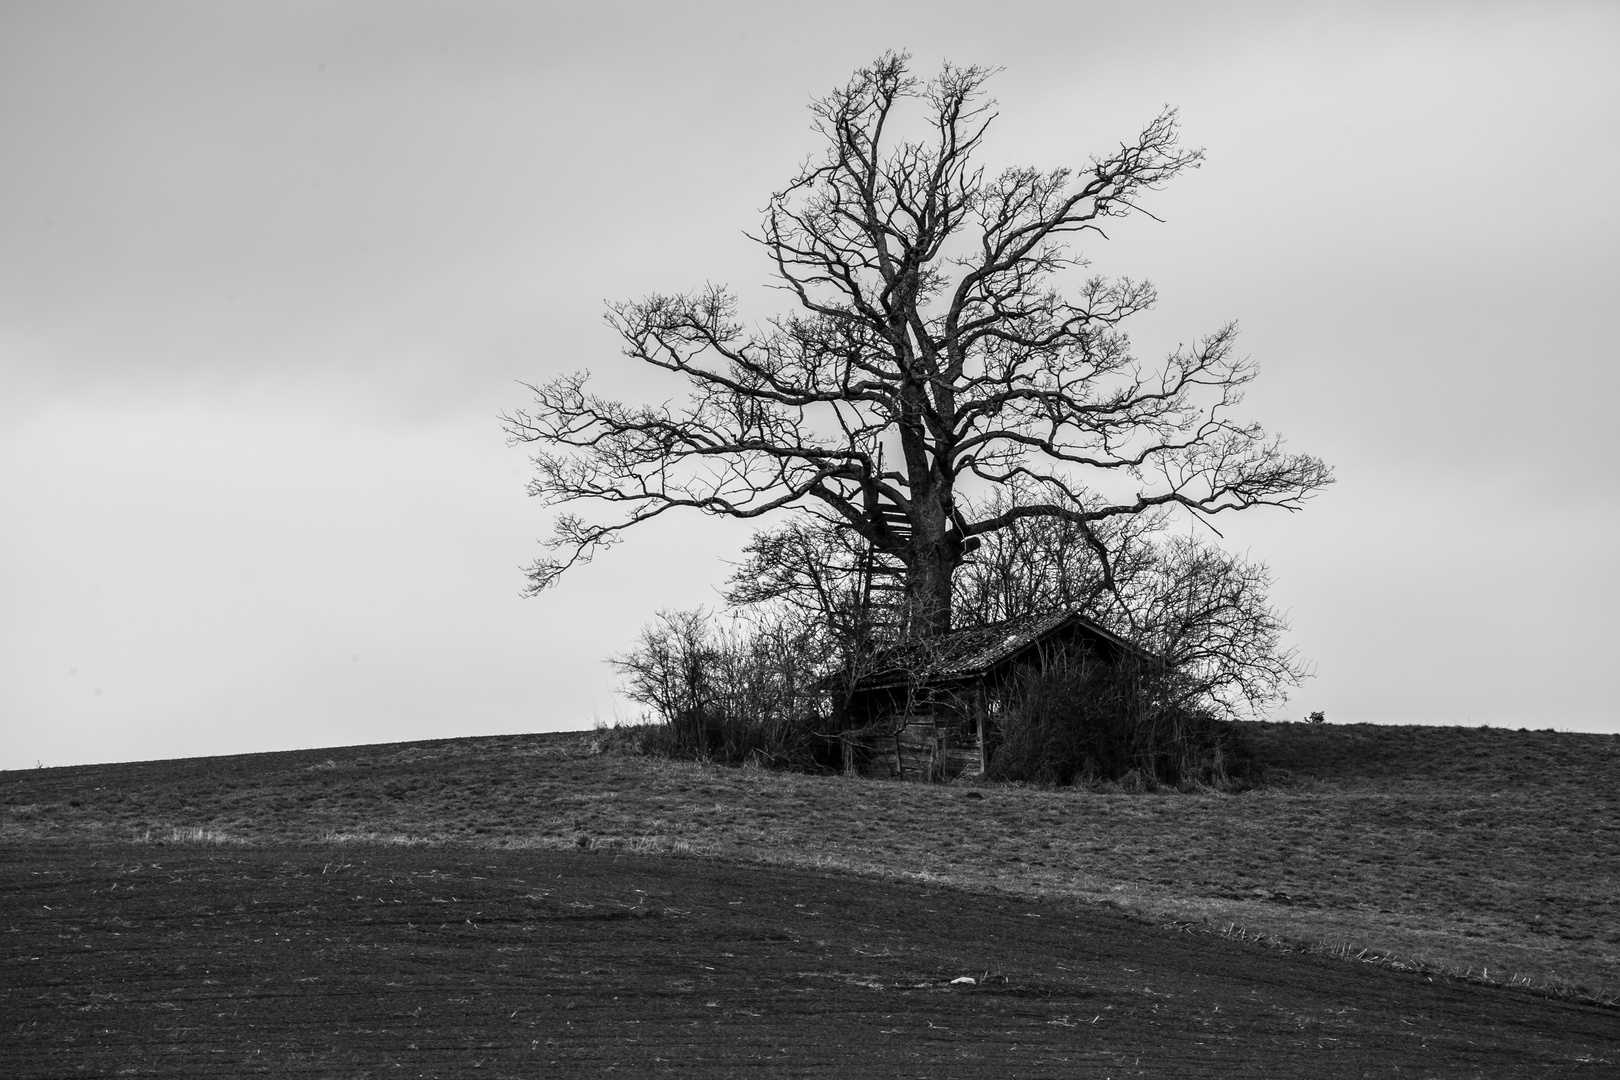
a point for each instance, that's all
(946, 340)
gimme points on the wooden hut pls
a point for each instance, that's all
(927, 710)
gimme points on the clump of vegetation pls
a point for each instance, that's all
(761, 683)
(733, 691)
(1084, 720)
(1202, 614)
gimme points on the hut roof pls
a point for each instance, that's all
(975, 651)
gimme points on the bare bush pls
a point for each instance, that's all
(1082, 720)
(731, 689)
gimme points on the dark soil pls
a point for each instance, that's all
(371, 960)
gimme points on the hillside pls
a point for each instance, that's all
(1485, 852)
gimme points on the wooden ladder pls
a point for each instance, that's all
(883, 582)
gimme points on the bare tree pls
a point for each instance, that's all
(933, 347)
(1203, 612)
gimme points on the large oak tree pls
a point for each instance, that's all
(945, 338)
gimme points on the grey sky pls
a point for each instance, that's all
(268, 273)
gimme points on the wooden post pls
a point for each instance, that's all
(984, 762)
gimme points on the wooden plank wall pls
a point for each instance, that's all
(931, 748)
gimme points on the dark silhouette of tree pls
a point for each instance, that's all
(938, 344)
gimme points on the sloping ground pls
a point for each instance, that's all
(450, 961)
(1483, 758)
(1476, 851)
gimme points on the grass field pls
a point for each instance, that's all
(1487, 853)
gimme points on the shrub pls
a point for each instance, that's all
(1082, 719)
(733, 692)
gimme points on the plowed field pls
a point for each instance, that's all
(437, 962)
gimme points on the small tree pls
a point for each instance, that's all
(671, 670)
(1204, 612)
(943, 339)
(1042, 564)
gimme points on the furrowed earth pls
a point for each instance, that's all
(1397, 901)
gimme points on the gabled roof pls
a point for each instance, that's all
(975, 651)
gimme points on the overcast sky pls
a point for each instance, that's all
(268, 273)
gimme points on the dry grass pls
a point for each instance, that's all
(195, 836)
(1476, 851)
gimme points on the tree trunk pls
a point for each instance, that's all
(928, 591)
(931, 563)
